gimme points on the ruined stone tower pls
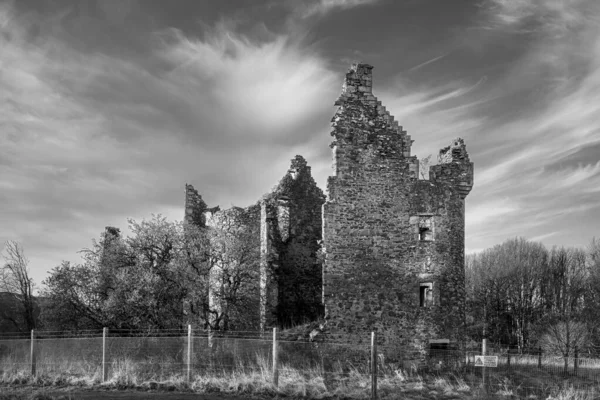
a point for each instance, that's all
(394, 244)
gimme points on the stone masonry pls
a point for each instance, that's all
(393, 244)
(287, 222)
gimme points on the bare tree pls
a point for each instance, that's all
(503, 285)
(566, 280)
(563, 337)
(15, 280)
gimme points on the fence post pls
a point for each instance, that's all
(483, 353)
(540, 357)
(189, 354)
(576, 361)
(508, 359)
(33, 355)
(104, 361)
(275, 366)
(373, 366)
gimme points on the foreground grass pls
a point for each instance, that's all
(312, 384)
(243, 368)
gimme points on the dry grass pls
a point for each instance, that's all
(236, 370)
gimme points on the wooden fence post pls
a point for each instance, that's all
(33, 354)
(189, 354)
(540, 357)
(373, 366)
(275, 366)
(483, 353)
(104, 360)
(576, 361)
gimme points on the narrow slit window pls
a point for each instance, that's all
(426, 294)
(426, 228)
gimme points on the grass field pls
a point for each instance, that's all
(306, 370)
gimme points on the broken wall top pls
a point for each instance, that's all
(194, 207)
(296, 183)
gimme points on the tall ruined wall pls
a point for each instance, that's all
(394, 245)
(194, 208)
(293, 229)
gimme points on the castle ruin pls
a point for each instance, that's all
(393, 244)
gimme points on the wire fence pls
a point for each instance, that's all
(179, 355)
(525, 372)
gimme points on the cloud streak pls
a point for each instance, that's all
(416, 67)
(90, 139)
(323, 7)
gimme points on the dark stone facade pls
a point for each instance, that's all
(394, 244)
(292, 228)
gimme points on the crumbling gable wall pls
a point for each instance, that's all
(394, 245)
(292, 225)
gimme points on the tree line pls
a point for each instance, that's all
(165, 275)
(157, 278)
(524, 295)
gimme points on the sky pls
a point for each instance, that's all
(107, 108)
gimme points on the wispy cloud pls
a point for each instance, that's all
(90, 139)
(323, 7)
(421, 65)
(532, 167)
(544, 236)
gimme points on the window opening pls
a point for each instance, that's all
(426, 228)
(425, 234)
(426, 294)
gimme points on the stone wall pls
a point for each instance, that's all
(293, 222)
(389, 238)
(194, 208)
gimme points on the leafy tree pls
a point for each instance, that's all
(123, 283)
(231, 270)
(162, 276)
(150, 292)
(73, 298)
